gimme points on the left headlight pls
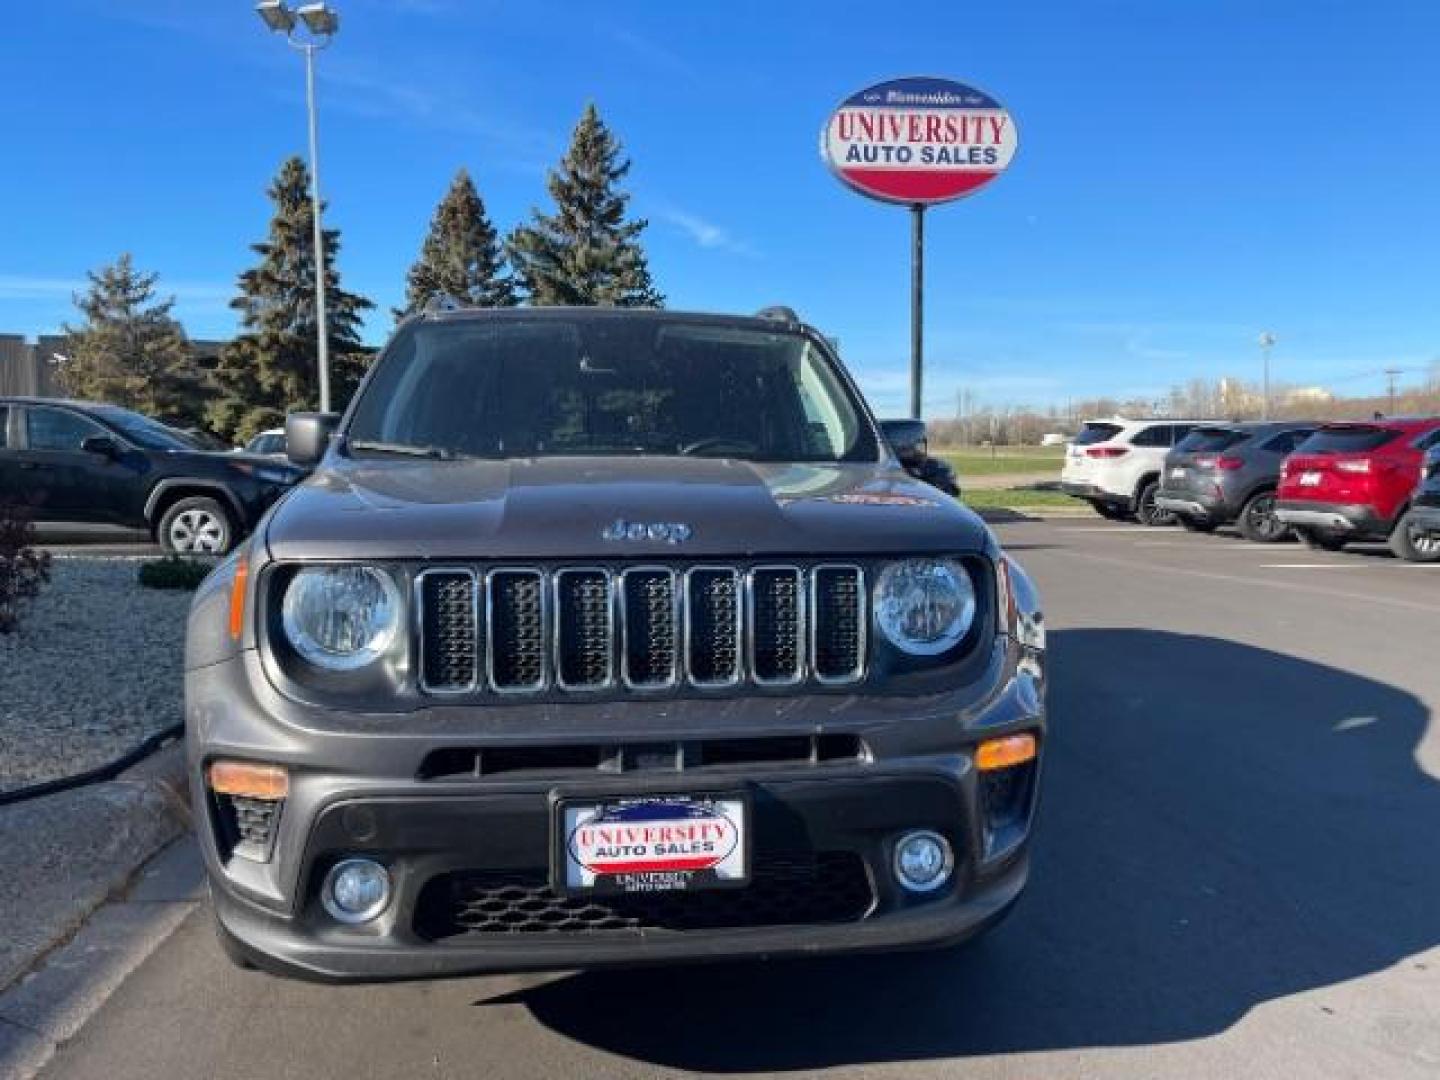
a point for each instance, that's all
(924, 606)
(341, 618)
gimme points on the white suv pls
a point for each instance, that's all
(1115, 466)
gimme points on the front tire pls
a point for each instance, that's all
(1413, 545)
(1146, 512)
(1258, 522)
(196, 526)
(1321, 540)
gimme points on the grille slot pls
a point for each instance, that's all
(777, 621)
(581, 628)
(517, 630)
(837, 623)
(584, 629)
(449, 631)
(712, 630)
(785, 890)
(650, 603)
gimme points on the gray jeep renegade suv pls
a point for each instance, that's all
(604, 636)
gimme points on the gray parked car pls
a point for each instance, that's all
(608, 637)
(1223, 474)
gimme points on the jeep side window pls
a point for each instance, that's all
(57, 429)
(4, 426)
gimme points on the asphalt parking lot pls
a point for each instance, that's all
(1237, 875)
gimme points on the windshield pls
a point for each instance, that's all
(1210, 440)
(605, 385)
(1346, 440)
(144, 432)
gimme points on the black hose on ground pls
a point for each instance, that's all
(105, 772)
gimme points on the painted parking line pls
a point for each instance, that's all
(1309, 565)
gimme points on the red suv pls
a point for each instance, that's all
(1354, 482)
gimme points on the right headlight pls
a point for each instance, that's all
(341, 618)
(924, 606)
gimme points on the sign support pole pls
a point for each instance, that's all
(917, 307)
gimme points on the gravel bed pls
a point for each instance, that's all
(94, 668)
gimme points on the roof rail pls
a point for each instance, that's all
(442, 301)
(778, 313)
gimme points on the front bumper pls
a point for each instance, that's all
(1353, 520)
(354, 796)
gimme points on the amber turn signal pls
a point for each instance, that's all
(1003, 753)
(237, 598)
(268, 782)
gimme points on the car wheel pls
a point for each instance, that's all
(1258, 522)
(196, 526)
(1320, 540)
(1196, 525)
(1412, 544)
(1146, 512)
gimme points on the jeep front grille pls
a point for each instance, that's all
(513, 630)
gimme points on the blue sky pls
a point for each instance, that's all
(1188, 175)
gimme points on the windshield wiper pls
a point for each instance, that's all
(435, 453)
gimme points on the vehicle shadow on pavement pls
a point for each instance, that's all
(1222, 826)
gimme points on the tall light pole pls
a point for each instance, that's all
(1267, 342)
(321, 23)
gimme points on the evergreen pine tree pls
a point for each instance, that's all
(585, 253)
(272, 368)
(461, 256)
(130, 351)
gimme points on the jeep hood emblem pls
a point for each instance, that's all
(672, 532)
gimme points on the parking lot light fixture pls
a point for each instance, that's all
(276, 16)
(320, 19)
(321, 23)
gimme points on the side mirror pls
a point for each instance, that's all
(102, 445)
(907, 438)
(307, 436)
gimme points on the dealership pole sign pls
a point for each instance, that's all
(918, 142)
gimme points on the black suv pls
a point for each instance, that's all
(1222, 474)
(81, 462)
(604, 636)
(1424, 515)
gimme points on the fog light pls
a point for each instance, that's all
(356, 890)
(923, 861)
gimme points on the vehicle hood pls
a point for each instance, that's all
(560, 507)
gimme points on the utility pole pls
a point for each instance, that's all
(1267, 342)
(1390, 375)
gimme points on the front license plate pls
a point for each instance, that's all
(1177, 474)
(663, 843)
(1309, 479)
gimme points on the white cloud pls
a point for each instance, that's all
(705, 233)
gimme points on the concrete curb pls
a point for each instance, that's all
(63, 856)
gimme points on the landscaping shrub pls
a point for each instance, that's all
(23, 570)
(173, 572)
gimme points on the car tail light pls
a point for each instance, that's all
(1355, 465)
(1107, 451)
(1229, 463)
(1203, 461)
